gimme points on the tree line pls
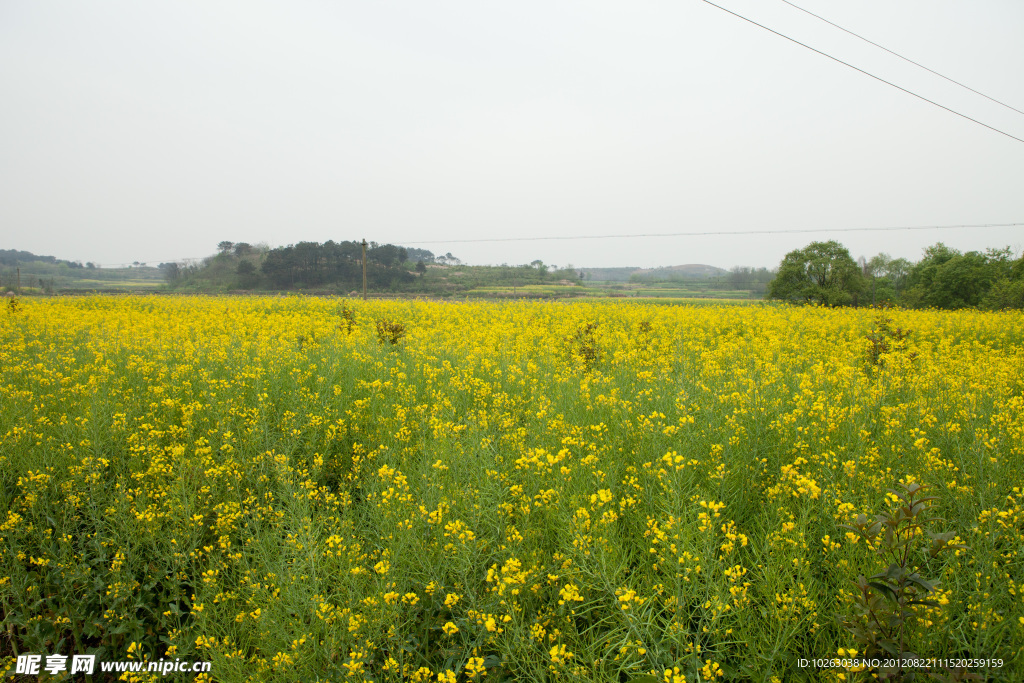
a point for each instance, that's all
(824, 273)
(336, 265)
(15, 257)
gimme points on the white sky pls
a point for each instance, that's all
(150, 131)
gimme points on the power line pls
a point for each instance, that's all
(144, 263)
(902, 57)
(650, 234)
(877, 78)
(709, 232)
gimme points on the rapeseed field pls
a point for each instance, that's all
(301, 489)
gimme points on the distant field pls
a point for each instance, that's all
(697, 300)
(37, 277)
(616, 290)
(535, 290)
(85, 283)
(717, 293)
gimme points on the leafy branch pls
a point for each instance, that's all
(886, 603)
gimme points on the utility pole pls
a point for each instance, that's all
(364, 270)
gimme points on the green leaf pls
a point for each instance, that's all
(898, 494)
(885, 590)
(927, 603)
(877, 602)
(922, 582)
(858, 633)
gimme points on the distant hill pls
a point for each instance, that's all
(608, 274)
(14, 257)
(689, 271)
(28, 273)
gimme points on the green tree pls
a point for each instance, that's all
(886, 278)
(248, 274)
(897, 271)
(921, 278)
(171, 271)
(1008, 290)
(822, 273)
(945, 278)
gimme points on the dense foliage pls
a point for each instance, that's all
(334, 265)
(336, 268)
(824, 273)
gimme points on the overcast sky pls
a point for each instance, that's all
(150, 131)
